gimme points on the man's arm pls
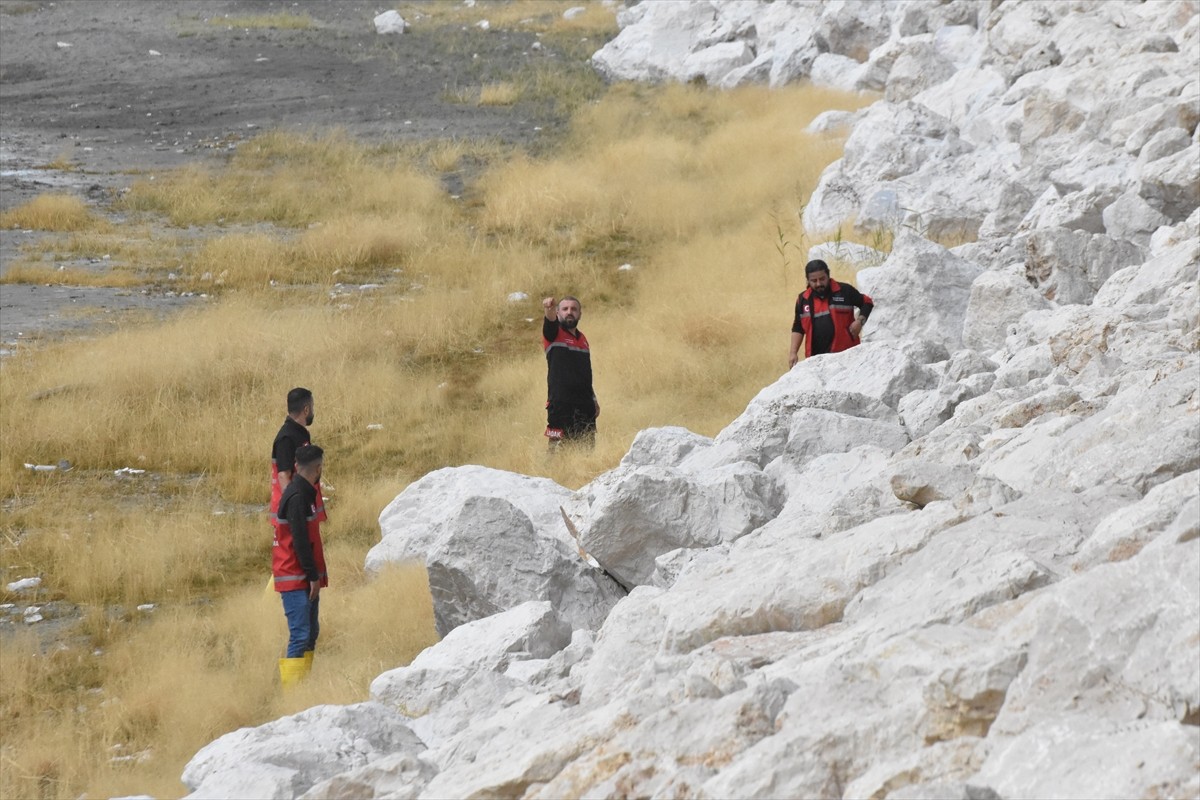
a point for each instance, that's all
(285, 459)
(550, 322)
(797, 338)
(865, 306)
(794, 349)
(297, 517)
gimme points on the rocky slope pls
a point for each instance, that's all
(959, 561)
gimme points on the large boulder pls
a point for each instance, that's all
(920, 292)
(998, 299)
(629, 517)
(866, 381)
(437, 674)
(285, 758)
(1069, 266)
(475, 531)
(489, 558)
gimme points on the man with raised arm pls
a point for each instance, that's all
(571, 404)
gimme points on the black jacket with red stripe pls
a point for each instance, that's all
(825, 323)
(568, 366)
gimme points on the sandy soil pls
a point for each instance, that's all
(78, 81)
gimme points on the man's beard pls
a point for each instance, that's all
(823, 293)
(308, 420)
(569, 323)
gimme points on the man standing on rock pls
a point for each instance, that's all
(825, 321)
(571, 404)
(298, 562)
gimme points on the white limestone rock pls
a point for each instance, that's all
(835, 71)
(859, 255)
(713, 63)
(414, 521)
(489, 558)
(531, 630)
(755, 589)
(963, 95)
(921, 291)
(663, 447)
(865, 381)
(999, 298)
(986, 560)
(285, 758)
(628, 517)
(853, 28)
(397, 776)
(1109, 654)
(918, 68)
(1123, 534)
(1144, 436)
(832, 122)
(1172, 183)
(921, 482)
(1069, 266)
(390, 22)
(491, 540)
(1130, 218)
(655, 39)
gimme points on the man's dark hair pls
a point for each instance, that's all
(298, 398)
(308, 454)
(816, 265)
(569, 297)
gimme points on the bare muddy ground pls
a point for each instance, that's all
(121, 88)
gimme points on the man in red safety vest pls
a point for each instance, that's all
(825, 320)
(298, 562)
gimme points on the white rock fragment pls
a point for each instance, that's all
(24, 584)
(390, 22)
(517, 297)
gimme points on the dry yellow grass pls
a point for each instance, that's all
(122, 719)
(283, 21)
(499, 94)
(69, 276)
(433, 368)
(541, 16)
(52, 212)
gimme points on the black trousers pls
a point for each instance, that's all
(572, 423)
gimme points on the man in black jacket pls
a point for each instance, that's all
(571, 404)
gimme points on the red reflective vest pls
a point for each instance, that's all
(285, 563)
(840, 305)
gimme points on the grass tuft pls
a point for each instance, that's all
(281, 21)
(52, 212)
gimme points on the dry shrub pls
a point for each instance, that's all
(543, 16)
(282, 21)
(63, 276)
(499, 94)
(289, 180)
(52, 212)
(244, 259)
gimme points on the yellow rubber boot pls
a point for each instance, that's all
(291, 671)
(308, 657)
